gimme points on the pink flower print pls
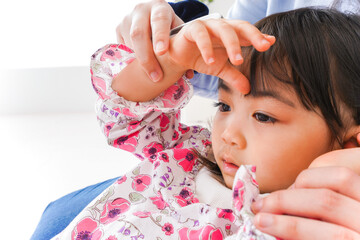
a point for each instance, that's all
(186, 197)
(108, 127)
(111, 53)
(206, 143)
(164, 157)
(168, 229)
(141, 182)
(133, 125)
(253, 171)
(238, 195)
(173, 94)
(164, 122)
(151, 150)
(175, 136)
(127, 142)
(112, 237)
(183, 128)
(86, 229)
(121, 179)
(228, 229)
(156, 164)
(127, 112)
(186, 158)
(205, 232)
(159, 201)
(226, 214)
(113, 209)
(124, 47)
(142, 214)
(99, 86)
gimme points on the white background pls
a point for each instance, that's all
(50, 143)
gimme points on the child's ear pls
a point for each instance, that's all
(352, 140)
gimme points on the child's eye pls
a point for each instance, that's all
(263, 118)
(222, 107)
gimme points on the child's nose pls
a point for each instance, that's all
(233, 136)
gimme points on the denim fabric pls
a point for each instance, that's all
(60, 213)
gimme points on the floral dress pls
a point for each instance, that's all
(157, 199)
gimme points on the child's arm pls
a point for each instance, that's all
(204, 46)
(142, 128)
(117, 78)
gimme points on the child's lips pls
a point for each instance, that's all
(229, 168)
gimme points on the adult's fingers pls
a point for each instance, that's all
(136, 32)
(162, 19)
(290, 227)
(338, 179)
(323, 204)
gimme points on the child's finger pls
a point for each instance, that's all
(235, 78)
(229, 39)
(250, 35)
(198, 33)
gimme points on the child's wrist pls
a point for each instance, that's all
(170, 66)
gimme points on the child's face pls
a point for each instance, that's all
(272, 131)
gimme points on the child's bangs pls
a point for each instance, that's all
(268, 70)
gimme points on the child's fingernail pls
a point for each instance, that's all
(211, 60)
(238, 57)
(264, 41)
(160, 46)
(256, 206)
(264, 220)
(154, 76)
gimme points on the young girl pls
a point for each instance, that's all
(301, 105)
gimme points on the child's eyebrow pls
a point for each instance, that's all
(257, 94)
(272, 94)
(222, 85)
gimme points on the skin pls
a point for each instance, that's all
(267, 130)
(149, 19)
(289, 219)
(210, 42)
(324, 203)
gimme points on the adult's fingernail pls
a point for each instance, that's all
(160, 46)
(264, 220)
(154, 76)
(256, 206)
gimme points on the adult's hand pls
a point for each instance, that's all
(146, 30)
(324, 203)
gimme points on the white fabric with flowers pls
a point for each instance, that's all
(158, 198)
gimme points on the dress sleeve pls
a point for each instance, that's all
(140, 127)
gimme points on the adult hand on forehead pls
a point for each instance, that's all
(213, 47)
(323, 203)
(147, 28)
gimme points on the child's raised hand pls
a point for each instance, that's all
(206, 46)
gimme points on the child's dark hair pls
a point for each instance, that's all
(317, 53)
